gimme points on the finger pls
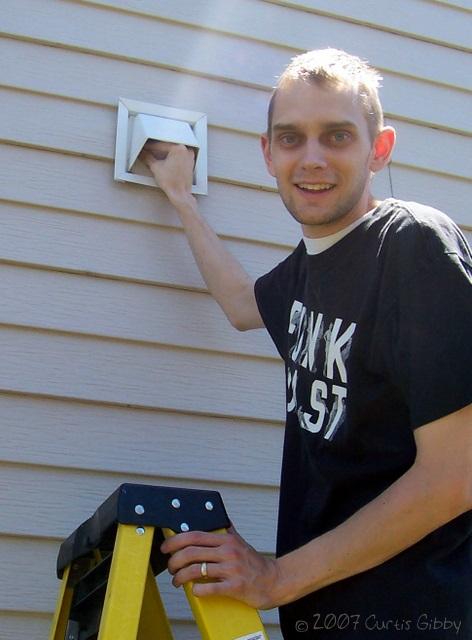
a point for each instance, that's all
(193, 573)
(148, 158)
(193, 555)
(159, 148)
(192, 538)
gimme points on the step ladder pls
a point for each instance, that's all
(108, 565)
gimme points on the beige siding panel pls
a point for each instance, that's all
(44, 363)
(51, 503)
(432, 150)
(432, 189)
(101, 30)
(96, 30)
(417, 18)
(34, 562)
(90, 130)
(21, 625)
(57, 181)
(122, 440)
(116, 309)
(57, 124)
(426, 103)
(72, 74)
(99, 246)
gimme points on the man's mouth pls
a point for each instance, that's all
(320, 186)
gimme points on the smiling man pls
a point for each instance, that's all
(372, 314)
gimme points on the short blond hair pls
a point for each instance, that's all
(336, 68)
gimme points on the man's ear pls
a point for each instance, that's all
(382, 148)
(265, 144)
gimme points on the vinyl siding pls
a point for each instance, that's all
(117, 366)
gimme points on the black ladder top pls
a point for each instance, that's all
(144, 505)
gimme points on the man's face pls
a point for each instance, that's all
(321, 155)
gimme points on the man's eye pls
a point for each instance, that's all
(288, 138)
(340, 136)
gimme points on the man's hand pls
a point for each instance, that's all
(234, 568)
(172, 167)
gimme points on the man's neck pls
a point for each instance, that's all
(315, 246)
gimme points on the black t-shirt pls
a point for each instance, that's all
(376, 335)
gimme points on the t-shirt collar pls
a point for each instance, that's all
(315, 246)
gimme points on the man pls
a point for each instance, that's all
(372, 314)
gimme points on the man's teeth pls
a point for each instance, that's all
(316, 187)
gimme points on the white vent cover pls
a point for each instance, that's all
(141, 121)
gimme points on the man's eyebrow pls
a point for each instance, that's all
(342, 124)
(281, 126)
(335, 124)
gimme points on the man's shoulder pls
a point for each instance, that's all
(414, 216)
(420, 230)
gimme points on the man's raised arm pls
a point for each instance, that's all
(227, 281)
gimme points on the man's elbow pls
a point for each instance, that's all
(241, 323)
(245, 318)
(245, 315)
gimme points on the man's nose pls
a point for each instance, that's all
(314, 156)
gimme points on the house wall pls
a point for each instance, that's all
(117, 366)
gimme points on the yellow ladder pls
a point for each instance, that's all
(107, 568)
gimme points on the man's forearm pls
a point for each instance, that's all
(227, 281)
(225, 278)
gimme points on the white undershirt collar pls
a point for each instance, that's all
(314, 246)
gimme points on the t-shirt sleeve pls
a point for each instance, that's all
(272, 295)
(432, 337)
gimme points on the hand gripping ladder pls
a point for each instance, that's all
(107, 566)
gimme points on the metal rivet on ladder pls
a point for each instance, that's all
(184, 527)
(140, 531)
(209, 506)
(139, 509)
(176, 503)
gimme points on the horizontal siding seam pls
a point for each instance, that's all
(432, 172)
(254, 85)
(453, 5)
(13, 613)
(289, 5)
(140, 342)
(138, 407)
(143, 61)
(370, 25)
(144, 223)
(214, 485)
(100, 275)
